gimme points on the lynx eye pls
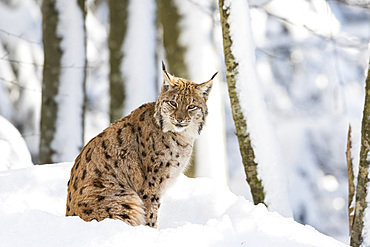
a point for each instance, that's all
(192, 107)
(172, 103)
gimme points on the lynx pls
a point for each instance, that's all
(123, 172)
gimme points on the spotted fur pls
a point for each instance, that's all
(123, 172)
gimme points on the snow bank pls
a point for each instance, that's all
(195, 212)
(13, 149)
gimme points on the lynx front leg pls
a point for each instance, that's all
(151, 211)
(151, 206)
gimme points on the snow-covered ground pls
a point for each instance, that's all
(13, 149)
(310, 60)
(195, 212)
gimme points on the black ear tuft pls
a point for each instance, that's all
(214, 75)
(167, 80)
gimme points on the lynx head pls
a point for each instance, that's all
(181, 107)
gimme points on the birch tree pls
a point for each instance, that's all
(363, 181)
(257, 141)
(245, 145)
(63, 86)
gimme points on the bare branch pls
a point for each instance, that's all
(17, 84)
(2, 31)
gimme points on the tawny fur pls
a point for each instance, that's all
(123, 172)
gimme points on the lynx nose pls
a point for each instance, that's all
(179, 120)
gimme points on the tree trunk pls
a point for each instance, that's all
(169, 22)
(82, 6)
(63, 86)
(118, 26)
(245, 145)
(363, 178)
(50, 84)
(351, 186)
(169, 19)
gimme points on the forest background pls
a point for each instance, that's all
(310, 59)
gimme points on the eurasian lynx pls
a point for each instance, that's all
(123, 172)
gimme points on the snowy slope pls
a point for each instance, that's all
(13, 149)
(195, 212)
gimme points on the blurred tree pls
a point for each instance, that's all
(245, 146)
(118, 25)
(51, 73)
(169, 23)
(363, 180)
(57, 117)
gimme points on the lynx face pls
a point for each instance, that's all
(181, 106)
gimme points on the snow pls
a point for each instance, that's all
(68, 138)
(264, 141)
(312, 85)
(315, 15)
(312, 119)
(139, 67)
(6, 76)
(201, 59)
(13, 149)
(21, 60)
(97, 81)
(195, 212)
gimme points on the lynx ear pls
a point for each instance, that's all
(167, 79)
(205, 87)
